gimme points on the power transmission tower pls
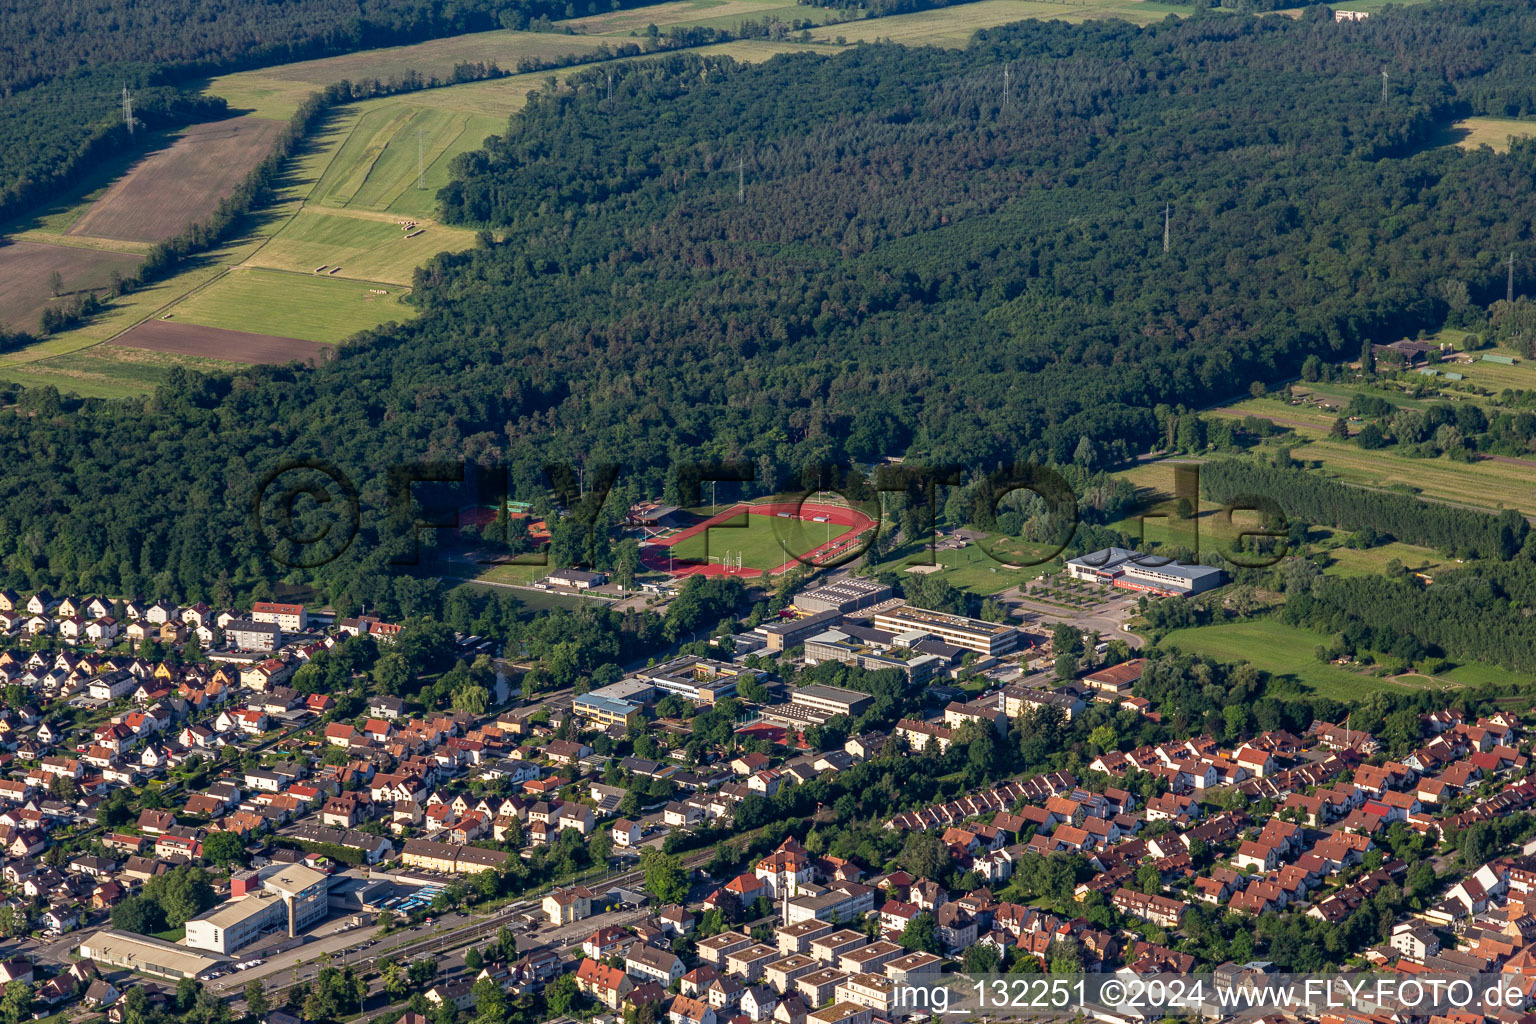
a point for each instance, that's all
(741, 180)
(128, 110)
(1383, 87)
(610, 89)
(1167, 210)
(421, 169)
(1007, 86)
(1509, 288)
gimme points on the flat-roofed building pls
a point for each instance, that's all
(147, 955)
(701, 680)
(1132, 570)
(831, 700)
(842, 1012)
(786, 633)
(843, 596)
(989, 638)
(287, 898)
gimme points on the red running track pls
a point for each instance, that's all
(653, 555)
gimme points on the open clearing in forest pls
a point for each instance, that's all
(954, 26)
(181, 185)
(318, 309)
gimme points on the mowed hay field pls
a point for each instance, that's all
(1494, 132)
(107, 371)
(212, 343)
(707, 13)
(323, 309)
(954, 26)
(182, 185)
(371, 248)
(376, 167)
(27, 268)
(277, 91)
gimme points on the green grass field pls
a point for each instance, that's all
(1279, 649)
(688, 13)
(954, 26)
(1494, 132)
(761, 541)
(365, 247)
(278, 91)
(312, 308)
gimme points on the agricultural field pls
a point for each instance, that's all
(376, 167)
(171, 338)
(365, 247)
(954, 26)
(173, 188)
(688, 13)
(27, 269)
(318, 309)
(107, 371)
(275, 92)
(1494, 132)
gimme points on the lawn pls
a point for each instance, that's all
(1280, 650)
(313, 308)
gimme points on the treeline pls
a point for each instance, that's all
(49, 39)
(1476, 613)
(52, 135)
(1462, 533)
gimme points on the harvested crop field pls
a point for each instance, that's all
(27, 269)
(181, 184)
(217, 343)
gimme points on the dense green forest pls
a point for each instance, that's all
(921, 266)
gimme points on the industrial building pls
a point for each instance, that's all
(989, 638)
(147, 956)
(1132, 570)
(288, 898)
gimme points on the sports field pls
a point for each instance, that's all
(758, 539)
(179, 186)
(312, 308)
